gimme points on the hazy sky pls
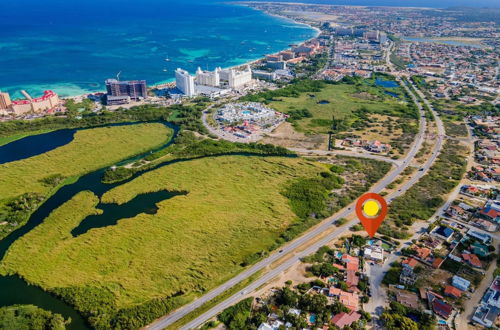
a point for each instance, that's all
(406, 3)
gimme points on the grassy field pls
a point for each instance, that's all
(234, 208)
(26, 183)
(344, 100)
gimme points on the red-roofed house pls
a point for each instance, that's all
(451, 291)
(352, 263)
(351, 266)
(348, 258)
(441, 308)
(334, 291)
(410, 263)
(437, 263)
(472, 260)
(423, 253)
(350, 300)
(344, 319)
(339, 266)
(491, 212)
(352, 279)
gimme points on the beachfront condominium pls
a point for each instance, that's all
(48, 102)
(5, 101)
(185, 82)
(236, 79)
(208, 78)
(135, 89)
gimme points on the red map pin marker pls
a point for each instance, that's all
(371, 210)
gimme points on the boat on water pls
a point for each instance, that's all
(165, 70)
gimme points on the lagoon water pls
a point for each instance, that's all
(35, 145)
(73, 46)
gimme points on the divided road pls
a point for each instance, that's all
(377, 272)
(290, 249)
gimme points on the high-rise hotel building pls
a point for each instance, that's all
(208, 78)
(237, 79)
(185, 82)
(135, 89)
(5, 101)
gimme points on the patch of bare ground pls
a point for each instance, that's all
(286, 136)
(296, 274)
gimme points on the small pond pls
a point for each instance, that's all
(386, 83)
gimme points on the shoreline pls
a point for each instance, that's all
(158, 84)
(318, 32)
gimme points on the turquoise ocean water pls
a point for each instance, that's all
(73, 46)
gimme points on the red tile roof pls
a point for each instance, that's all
(410, 262)
(452, 291)
(352, 279)
(423, 253)
(343, 319)
(437, 263)
(441, 308)
(472, 259)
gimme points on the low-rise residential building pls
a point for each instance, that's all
(407, 276)
(489, 309)
(472, 260)
(407, 298)
(342, 320)
(491, 211)
(484, 238)
(441, 308)
(375, 253)
(451, 291)
(443, 232)
(460, 283)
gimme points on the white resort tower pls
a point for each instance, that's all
(185, 82)
(208, 78)
(236, 79)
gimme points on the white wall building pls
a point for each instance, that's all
(208, 78)
(236, 79)
(185, 82)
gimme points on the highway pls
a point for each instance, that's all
(290, 249)
(377, 272)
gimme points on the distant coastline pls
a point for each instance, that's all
(318, 32)
(100, 56)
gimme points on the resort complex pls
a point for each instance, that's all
(211, 83)
(47, 104)
(247, 121)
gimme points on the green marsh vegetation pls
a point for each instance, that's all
(26, 183)
(240, 207)
(29, 317)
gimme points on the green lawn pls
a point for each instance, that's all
(233, 209)
(24, 184)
